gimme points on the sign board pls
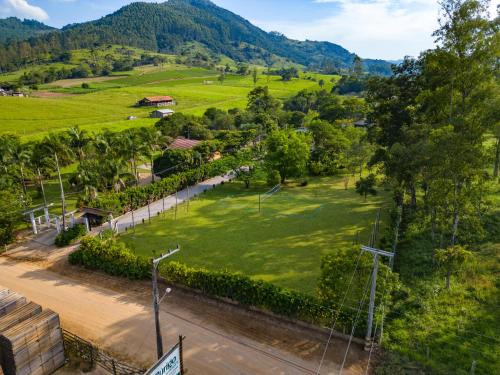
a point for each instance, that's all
(169, 364)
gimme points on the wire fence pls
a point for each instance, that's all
(91, 354)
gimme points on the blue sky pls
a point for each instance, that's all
(387, 29)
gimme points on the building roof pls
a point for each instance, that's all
(164, 111)
(159, 98)
(95, 211)
(361, 123)
(183, 143)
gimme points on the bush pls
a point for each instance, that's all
(111, 257)
(85, 85)
(273, 178)
(70, 235)
(115, 259)
(135, 197)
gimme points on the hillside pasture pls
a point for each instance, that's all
(108, 103)
(283, 244)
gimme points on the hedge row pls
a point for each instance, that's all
(111, 257)
(115, 259)
(135, 197)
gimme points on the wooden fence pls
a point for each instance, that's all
(91, 354)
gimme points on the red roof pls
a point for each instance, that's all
(183, 143)
(159, 98)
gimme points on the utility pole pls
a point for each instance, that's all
(62, 194)
(371, 307)
(175, 210)
(41, 185)
(156, 299)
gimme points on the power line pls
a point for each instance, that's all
(336, 318)
(365, 293)
(376, 323)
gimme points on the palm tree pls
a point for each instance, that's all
(133, 147)
(77, 140)
(154, 141)
(20, 157)
(55, 143)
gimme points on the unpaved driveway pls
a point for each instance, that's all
(116, 314)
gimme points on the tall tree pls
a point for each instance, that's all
(459, 76)
(261, 101)
(287, 152)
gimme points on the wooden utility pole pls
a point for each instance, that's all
(62, 194)
(156, 299)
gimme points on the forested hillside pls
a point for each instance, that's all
(167, 27)
(13, 28)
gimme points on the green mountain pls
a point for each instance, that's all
(169, 26)
(13, 28)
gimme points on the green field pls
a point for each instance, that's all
(107, 104)
(283, 244)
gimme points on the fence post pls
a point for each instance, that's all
(114, 367)
(180, 354)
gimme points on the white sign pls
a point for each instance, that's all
(169, 364)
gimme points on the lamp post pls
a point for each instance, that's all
(156, 298)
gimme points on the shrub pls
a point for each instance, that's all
(111, 257)
(273, 178)
(115, 259)
(85, 85)
(135, 197)
(70, 235)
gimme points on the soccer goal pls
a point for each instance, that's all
(268, 194)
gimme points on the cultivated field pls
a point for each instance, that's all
(282, 244)
(108, 103)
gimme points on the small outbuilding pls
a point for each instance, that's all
(161, 113)
(156, 101)
(96, 216)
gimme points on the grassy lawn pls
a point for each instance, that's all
(282, 244)
(107, 104)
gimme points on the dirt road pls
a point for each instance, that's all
(116, 315)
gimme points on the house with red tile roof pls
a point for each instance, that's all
(182, 143)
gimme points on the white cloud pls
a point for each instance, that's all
(23, 9)
(388, 29)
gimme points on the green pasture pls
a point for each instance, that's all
(107, 104)
(283, 244)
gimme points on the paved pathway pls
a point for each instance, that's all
(129, 219)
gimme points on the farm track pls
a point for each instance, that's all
(179, 79)
(220, 339)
